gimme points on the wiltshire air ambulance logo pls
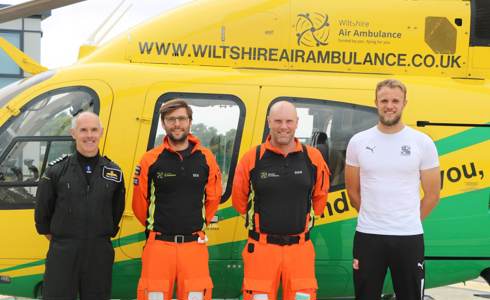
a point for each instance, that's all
(112, 174)
(265, 175)
(162, 175)
(312, 30)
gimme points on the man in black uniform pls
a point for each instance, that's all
(80, 201)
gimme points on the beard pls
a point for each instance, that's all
(176, 140)
(390, 122)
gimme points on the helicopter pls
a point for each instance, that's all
(231, 60)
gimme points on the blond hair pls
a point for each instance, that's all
(391, 83)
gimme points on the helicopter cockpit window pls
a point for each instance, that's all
(328, 126)
(10, 91)
(38, 135)
(217, 122)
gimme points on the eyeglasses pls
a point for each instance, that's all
(173, 120)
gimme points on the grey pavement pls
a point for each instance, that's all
(476, 289)
(471, 290)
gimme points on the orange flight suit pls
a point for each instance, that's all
(175, 196)
(280, 195)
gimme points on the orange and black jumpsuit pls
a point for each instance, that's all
(176, 194)
(279, 196)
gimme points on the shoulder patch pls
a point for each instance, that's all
(59, 159)
(112, 174)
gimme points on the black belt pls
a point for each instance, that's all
(281, 240)
(177, 238)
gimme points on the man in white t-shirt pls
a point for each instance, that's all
(385, 167)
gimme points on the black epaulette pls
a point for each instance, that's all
(61, 158)
(107, 158)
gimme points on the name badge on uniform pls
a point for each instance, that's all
(111, 174)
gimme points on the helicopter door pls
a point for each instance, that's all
(223, 116)
(28, 142)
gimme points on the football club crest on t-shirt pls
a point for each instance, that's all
(405, 151)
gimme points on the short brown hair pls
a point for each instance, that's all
(391, 83)
(173, 105)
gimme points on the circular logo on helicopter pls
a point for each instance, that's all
(312, 30)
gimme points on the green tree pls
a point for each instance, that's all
(204, 133)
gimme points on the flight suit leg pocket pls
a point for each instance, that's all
(153, 289)
(302, 289)
(198, 288)
(257, 289)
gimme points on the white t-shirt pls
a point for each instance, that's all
(390, 167)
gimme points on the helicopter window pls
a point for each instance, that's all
(10, 91)
(38, 135)
(21, 169)
(328, 126)
(480, 23)
(217, 122)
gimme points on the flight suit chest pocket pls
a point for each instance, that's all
(65, 189)
(102, 194)
(64, 212)
(271, 175)
(109, 187)
(166, 179)
(263, 179)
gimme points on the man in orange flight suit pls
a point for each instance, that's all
(177, 190)
(280, 186)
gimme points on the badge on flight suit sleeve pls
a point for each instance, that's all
(137, 172)
(111, 174)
